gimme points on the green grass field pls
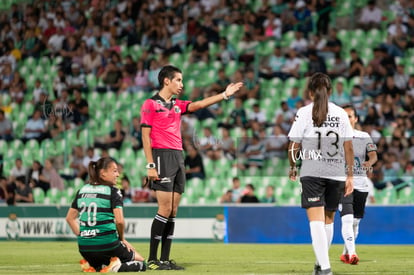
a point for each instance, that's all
(19, 257)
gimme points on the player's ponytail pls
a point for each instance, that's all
(94, 169)
(320, 88)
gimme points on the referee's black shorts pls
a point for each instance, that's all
(354, 204)
(321, 192)
(171, 170)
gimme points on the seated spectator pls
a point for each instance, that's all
(356, 65)
(333, 45)
(92, 61)
(51, 176)
(339, 67)
(227, 144)
(35, 127)
(389, 88)
(59, 83)
(303, 17)
(227, 197)
(273, 66)
(276, 144)
(23, 191)
(141, 79)
(226, 51)
(369, 82)
(316, 64)
(212, 111)
(371, 16)
(194, 164)
(292, 65)
(248, 195)
(115, 138)
(200, 50)
(18, 88)
(294, 97)
(79, 170)
(299, 44)
(238, 116)
(284, 116)
(18, 170)
(90, 156)
(126, 190)
(339, 96)
(81, 105)
(35, 177)
(251, 87)
(54, 126)
(359, 101)
(254, 153)
(272, 25)
(401, 77)
(111, 78)
(209, 145)
(247, 49)
(269, 195)
(136, 133)
(6, 78)
(77, 79)
(6, 192)
(256, 114)
(236, 191)
(6, 127)
(221, 83)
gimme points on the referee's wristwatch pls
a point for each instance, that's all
(150, 165)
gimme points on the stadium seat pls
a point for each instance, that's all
(38, 195)
(53, 194)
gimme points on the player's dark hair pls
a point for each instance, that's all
(167, 72)
(349, 106)
(95, 167)
(320, 87)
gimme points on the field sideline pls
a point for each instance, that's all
(20, 257)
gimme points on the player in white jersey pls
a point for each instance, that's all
(352, 208)
(321, 137)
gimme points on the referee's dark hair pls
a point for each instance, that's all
(95, 167)
(349, 106)
(320, 88)
(169, 72)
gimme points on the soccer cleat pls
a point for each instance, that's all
(113, 266)
(158, 265)
(345, 258)
(316, 269)
(173, 265)
(325, 272)
(353, 259)
(86, 267)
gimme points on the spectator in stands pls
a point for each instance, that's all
(221, 83)
(226, 51)
(31, 45)
(92, 61)
(389, 88)
(35, 127)
(136, 134)
(254, 153)
(77, 80)
(35, 177)
(371, 16)
(299, 44)
(227, 144)
(292, 65)
(238, 116)
(401, 78)
(323, 9)
(59, 82)
(200, 50)
(115, 138)
(209, 145)
(23, 192)
(81, 105)
(141, 80)
(51, 176)
(79, 170)
(359, 101)
(126, 190)
(54, 126)
(17, 88)
(388, 109)
(251, 87)
(276, 143)
(111, 78)
(6, 78)
(269, 196)
(90, 156)
(227, 197)
(55, 42)
(333, 45)
(356, 65)
(284, 116)
(6, 127)
(369, 82)
(272, 25)
(18, 170)
(303, 17)
(6, 192)
(274, 64)
(248, 195)
(247, 49)
(194, 164)
(339, 96)
(38, 89)
(316, 63)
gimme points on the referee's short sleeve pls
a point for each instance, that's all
(147, 113)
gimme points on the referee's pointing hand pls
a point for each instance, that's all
(232, 88)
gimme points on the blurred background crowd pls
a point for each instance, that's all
(73, 75)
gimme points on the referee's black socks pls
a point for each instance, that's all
(157, 230)
(167, 237)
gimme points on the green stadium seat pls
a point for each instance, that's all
(38, 195)
(53, 195)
